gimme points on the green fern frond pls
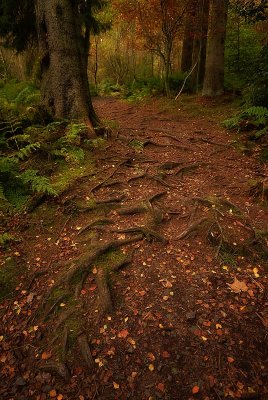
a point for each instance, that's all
(38, 183)
(27, 150)
(5, 238)
(8, 164)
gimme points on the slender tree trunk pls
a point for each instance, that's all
(64, 82)
(214, 73)
(200, 43)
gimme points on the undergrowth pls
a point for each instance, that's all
(38, 155)
(253, 124)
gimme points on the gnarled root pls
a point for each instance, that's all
(83, 345)
(105, 300)
(56, 367)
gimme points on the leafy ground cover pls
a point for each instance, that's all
(146, 279)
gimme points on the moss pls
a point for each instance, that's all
(112, 257)
(67, 175)
(9, 277)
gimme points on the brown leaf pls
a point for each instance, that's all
(165, 354)
(53, 393)
(161, 387)
(46, 355)
(123, 334)
(238, 286)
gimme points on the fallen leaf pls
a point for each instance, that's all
(123, 334)
(195, 389)
(165, 354)
(238, 286)
(116, 385)
(53, 393)
(160, 386)
(255, 271)
(151, 356)
(230, 359)
(59, 397)
(46, 356)
(151, 367)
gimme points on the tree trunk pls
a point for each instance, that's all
(200, 43)
(187, 50)
(214, 72)
(64, 82)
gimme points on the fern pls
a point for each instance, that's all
(38, 183)
(2, 194)
(26, 151)
(5, 238)
(251, 118)
(70, 153)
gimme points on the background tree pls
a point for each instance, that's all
(214, 72)
(159, 23)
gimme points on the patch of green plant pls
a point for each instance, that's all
(137, 145)
(227, 258)
(66, 175)
(9, 277)
(99, 142)
(251, 118)
(6, 238)
(110, 258)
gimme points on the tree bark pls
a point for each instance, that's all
(64, 83)
(200, 43)
(214, 72)
(187, 49)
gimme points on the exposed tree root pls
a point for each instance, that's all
(185, 170)
(214, 143)
(149, 234)
(160, 179)
(116, 267)
(105, 301)
(63, 317)
(99, 222)
(111, 200)
(82, 264)
(56, 367)
(192, 228)
(83, 345)
(140, 209)
(140, 176)
(169, 165)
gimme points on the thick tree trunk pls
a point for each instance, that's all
(64, 82)
(214, 72)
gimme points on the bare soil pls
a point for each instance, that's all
(175, 307)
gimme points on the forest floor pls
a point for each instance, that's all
(145, 280)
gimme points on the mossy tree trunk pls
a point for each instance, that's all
(64, 82)
(214, 72)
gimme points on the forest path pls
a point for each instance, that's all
(185, 317)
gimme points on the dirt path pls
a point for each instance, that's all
(177, 314)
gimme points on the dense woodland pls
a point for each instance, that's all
(133, 199)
